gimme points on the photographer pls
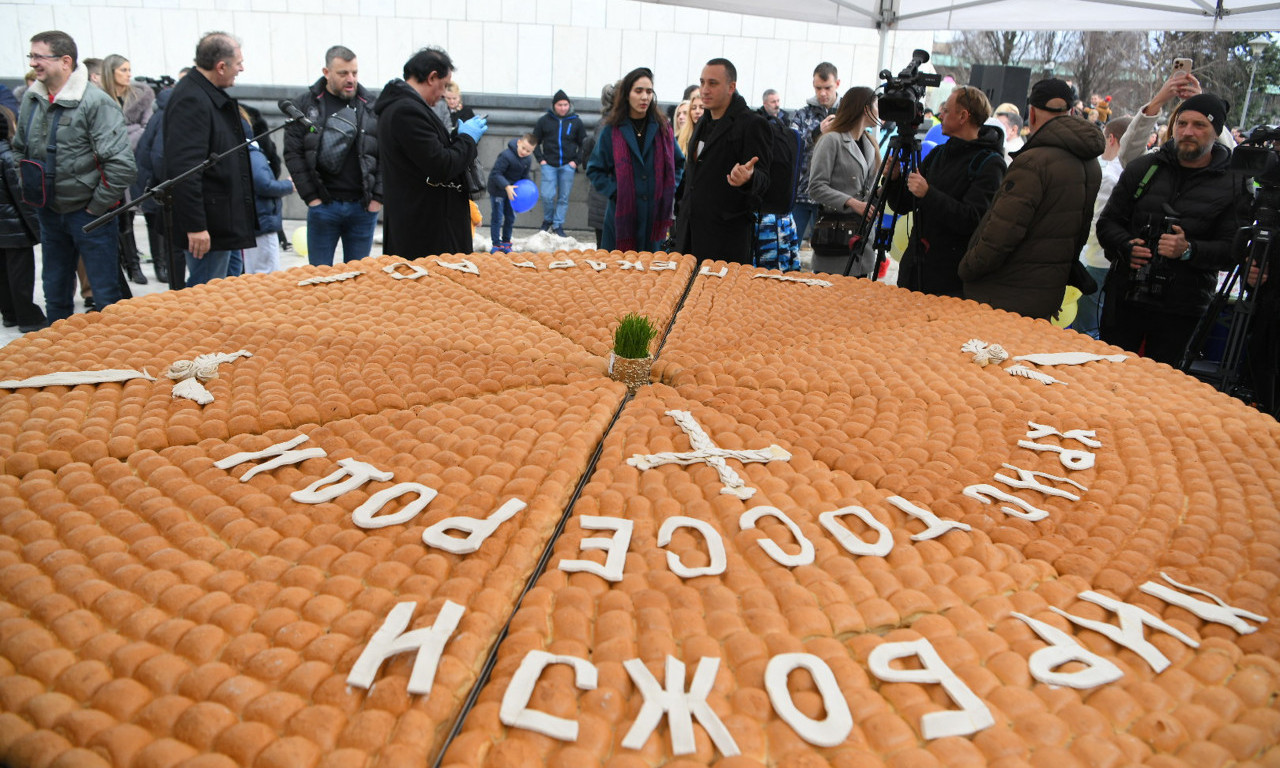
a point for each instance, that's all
(1167, 230)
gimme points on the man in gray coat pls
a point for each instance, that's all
(77, 133)
(1020, 256)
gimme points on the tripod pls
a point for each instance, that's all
(903, 157)
(1251, 303)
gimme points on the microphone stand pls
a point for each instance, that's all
(161, 193)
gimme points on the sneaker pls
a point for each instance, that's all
(546, 226)
(30, 328)
(10, 323)
(505, 246)
(497, 248)
(559, 232)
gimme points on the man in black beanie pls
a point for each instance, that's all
(559, 135)
(1167, 230)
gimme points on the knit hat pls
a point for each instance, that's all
(559, 97)
(1210, 106)
(1045, 92)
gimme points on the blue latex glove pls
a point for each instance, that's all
(475, 127)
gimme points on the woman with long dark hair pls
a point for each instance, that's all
(636, 165)
(843, 168)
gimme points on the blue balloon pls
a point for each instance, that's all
(526, 196)
(935, 134)
(926, 147)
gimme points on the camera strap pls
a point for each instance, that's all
(1146, 178)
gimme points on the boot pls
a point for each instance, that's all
(161, 265)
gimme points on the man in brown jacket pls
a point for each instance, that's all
(1020, 256)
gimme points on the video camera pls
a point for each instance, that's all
(901, 101)
(1149, 281)
(157, 84)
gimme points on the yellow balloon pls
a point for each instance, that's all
(300, 241)
(1070, 305)
(901, 237)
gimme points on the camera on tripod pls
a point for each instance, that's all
(902, 99)
(1149, 282)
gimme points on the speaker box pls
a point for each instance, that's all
(1001, 84)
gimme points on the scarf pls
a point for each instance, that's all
(624, 209)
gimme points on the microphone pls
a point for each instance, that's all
(289, 108)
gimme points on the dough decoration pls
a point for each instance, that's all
(514, 711)
(637, 265)
(803, 280)
(466, 265)
(1218, 611)
(1068, 358)
(983, 353)
(391, 639)
(832, 730)
(705, 451)
(1030, 373)
(357, 473)
(853, 543)
(1027, 479)
(615, 547)
(679, 707)
(707, 271)
(806, 554)
(934, 526)
(1028, 510)
(1064, 648)
(1071, 458)
(283, 454)
(598, 266)
(973, 715)
(415, 271)
(190, 375)
(663, 266)
(320, 279)
(715, 547)
(1130, 632)
(561, 264)
(75, 378)
(526, 264)
(477, 530)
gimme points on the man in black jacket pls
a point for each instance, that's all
(335, 168)
(215, 209)
(423, 166)
(559, 135)
(949, 193)
(725, 174)
(1167, 230)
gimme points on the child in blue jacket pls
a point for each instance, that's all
(511, 166)
(267, 202)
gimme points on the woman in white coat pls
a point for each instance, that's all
(843, 168)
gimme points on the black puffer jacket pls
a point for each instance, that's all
(1211, 202)
(18, 225)
(1020, 256)
(963, 177)
(301, 145)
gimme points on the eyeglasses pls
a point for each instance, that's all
(38, 56)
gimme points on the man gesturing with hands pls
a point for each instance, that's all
(725, 174)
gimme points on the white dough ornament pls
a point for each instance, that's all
(1025, 372)
(984, 353)
(1068, 358)
(329, 278)
(190, 375)
(705, 451)
(805, 280)
(73, 378)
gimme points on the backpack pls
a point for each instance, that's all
(784, 170)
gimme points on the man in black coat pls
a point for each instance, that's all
(335, 168)
(1154, 297)
(214, 209)
(427, 210)
(949, 193)
(726, 173)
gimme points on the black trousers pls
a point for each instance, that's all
(1157, 334)
(17, 284)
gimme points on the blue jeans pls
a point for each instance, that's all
(213, 266)
(804, 215)
(503, 215)
(64, 243)
(329, 222)
(556, 185)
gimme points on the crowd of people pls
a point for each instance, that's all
(1009, 208)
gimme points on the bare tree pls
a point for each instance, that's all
(1003, 47)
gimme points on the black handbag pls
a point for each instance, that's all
(833, 231)
(477, 180)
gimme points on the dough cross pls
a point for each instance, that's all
(705, 451)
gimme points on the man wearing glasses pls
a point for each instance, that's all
(76, 166)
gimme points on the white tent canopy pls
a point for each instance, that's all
(928, 15)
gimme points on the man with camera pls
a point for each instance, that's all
(1167, 231)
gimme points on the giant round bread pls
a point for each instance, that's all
(417, 524)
